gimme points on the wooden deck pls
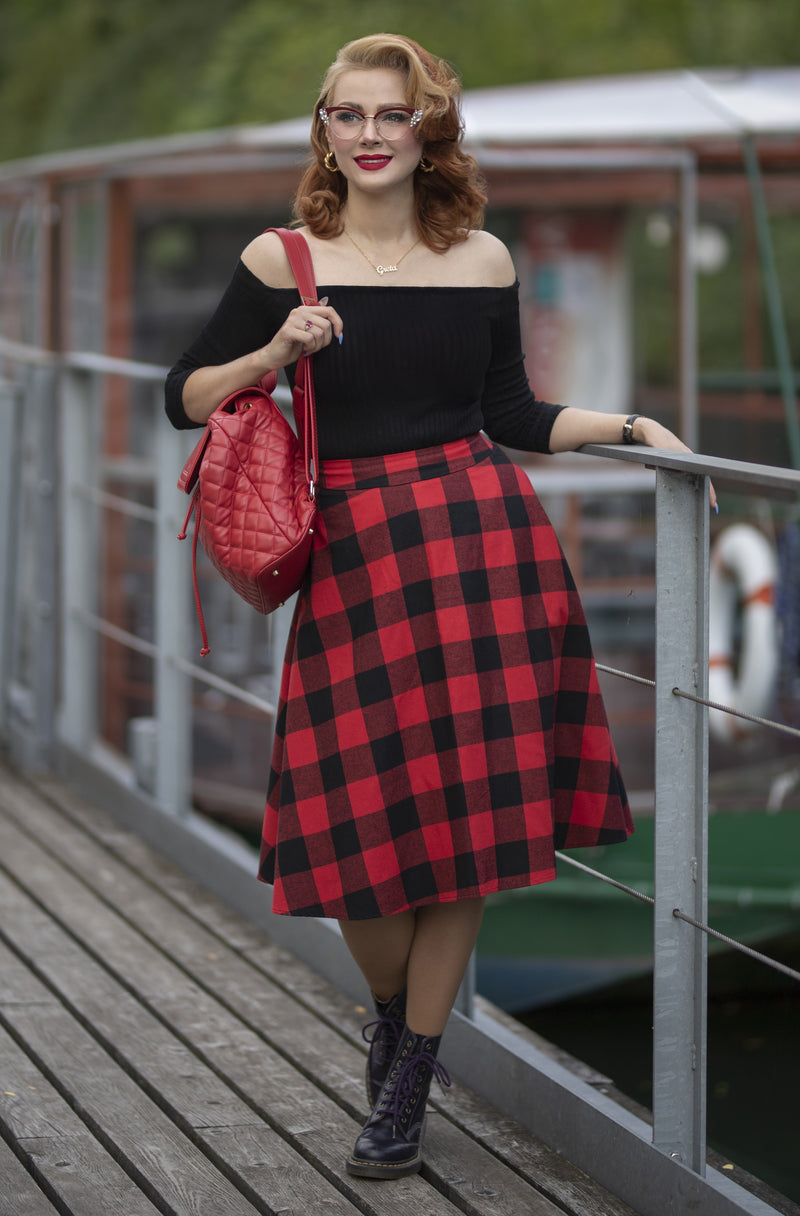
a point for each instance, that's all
(158, 1054)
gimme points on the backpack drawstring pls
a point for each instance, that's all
(195, 503)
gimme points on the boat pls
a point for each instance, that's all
(564, 939)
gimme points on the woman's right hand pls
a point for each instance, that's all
(305, 331)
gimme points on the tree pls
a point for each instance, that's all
(97, 71)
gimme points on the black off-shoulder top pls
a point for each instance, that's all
(418, 366)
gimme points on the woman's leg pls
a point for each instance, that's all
(425, 951)
(381, 948)
(444, 939)
(438, 939)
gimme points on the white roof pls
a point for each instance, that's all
(653, 107)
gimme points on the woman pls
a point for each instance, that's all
(440, 729)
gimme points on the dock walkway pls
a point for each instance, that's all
(158, 1054)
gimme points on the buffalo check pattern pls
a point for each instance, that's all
(440, 729)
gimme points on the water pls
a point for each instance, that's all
(753, 1060)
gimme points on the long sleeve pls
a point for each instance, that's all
(512, 414)
(247, 316)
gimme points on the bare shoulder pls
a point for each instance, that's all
(491, 260)
(266, 257)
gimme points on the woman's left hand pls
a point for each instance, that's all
(654, 435)
(575, 427)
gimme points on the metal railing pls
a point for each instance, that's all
(681, 786)
(47, 709)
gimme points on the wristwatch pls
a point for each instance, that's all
(627, 428)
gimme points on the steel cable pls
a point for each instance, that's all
(731, 941)
(738, 713)
(676, 912)
(783, 727)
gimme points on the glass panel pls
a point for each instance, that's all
(231, 741)
(183, 263)
(83, 298)
(125, 697)
(21, 226)
(25, 617)
(230, 764)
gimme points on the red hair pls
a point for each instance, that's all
(449, 201)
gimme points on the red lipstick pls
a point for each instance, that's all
(372, 162)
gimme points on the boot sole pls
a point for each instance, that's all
(371, 1169)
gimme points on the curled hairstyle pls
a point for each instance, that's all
(449, 201)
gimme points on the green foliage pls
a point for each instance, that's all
(96, 71)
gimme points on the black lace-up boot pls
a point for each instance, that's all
(383, 1036)
(390, 1143)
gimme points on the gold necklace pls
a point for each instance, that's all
(380, 268)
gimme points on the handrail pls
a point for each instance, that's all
(93, 361)
(742, 472)
(83, 360)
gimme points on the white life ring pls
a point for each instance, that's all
(743, 575)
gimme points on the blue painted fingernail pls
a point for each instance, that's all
(340, 339)
(716, 508)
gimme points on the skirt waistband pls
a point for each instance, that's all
(400, 468)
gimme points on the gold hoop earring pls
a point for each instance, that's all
(425, 165)
(330, 162)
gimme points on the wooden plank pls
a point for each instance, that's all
(276, 1091)
(479, 1181)
(66, 1161)
(79, 1177)
(201, 955)
(289, 1189)
(263, 1003)
(19, 1193)
(211, 911)
(540, 1166)
(167, 1165)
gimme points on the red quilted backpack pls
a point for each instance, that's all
(252, 480)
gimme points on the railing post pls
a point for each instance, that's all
(79, 548)
(680, 980)
(10, 413)
(28, 554)
(44, 667)
(173, 701)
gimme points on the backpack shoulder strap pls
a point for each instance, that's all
(299, 255)
(304, 402)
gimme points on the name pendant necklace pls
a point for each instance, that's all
(380, 269)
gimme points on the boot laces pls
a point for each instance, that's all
(399, 1095)
(386, 1031)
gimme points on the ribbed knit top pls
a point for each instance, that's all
(418, 366)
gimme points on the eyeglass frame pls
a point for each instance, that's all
(415, 115)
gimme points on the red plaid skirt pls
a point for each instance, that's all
(440, 729)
